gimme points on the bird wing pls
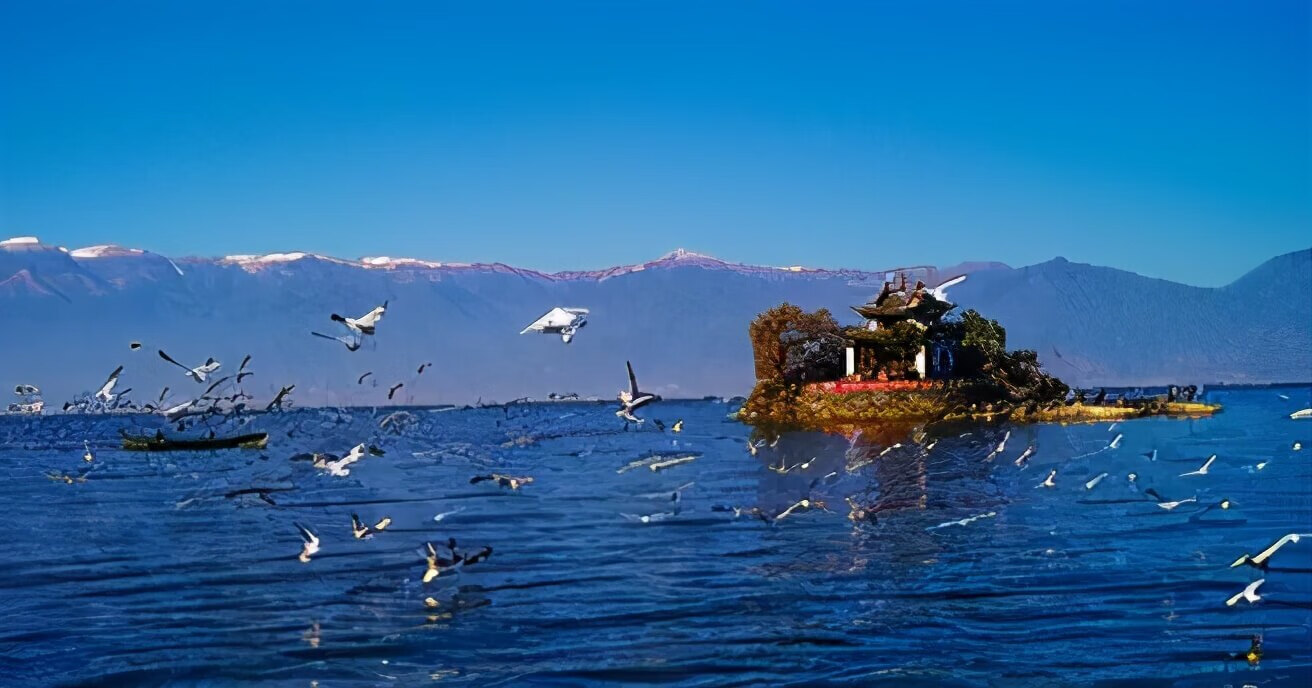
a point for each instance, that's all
(1208, 464)
(111, 380)
(360, 380)
(244, 361)
(307, 535)
(633, 381)
(1266, 553)
(372, 317)
(552, 319)
(217, 382)
(170, 360)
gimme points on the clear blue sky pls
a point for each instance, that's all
(1167, 138)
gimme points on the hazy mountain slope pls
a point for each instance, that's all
(682, 320)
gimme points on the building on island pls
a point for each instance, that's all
(899, 307)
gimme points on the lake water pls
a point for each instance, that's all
(148, 573)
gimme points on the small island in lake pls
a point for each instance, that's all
(913, 359)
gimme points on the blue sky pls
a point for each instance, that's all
(1171, 139)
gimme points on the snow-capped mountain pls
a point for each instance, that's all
(682, 319)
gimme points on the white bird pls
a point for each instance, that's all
(338, 467)
(1249, 594)
(310, 546)
(106, 390)
(1260, 561)
(753, 447)
(1025, 456)
(1297, 446)
(633, 399)
(1171, 505)
(1116, 442)
(88, 456)
(941, 291)
(1094, 483)
(897, 445)
(1305, 413)
(801, 504)
(200, 373)
(1002, 446)
(1112, 427)
(1203, 470)
(1049, 482)
(562, 321)
(364, 324)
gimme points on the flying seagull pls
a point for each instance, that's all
(633, 399)
(134, 345)
(279, 400)
(351, 342)
(941, 291)
(1203, 470)
(106, 390)
(1002, 446)
(565, 322)
(360, 380)
(1094, 483)
(1171, 505)
(1260, 560)
(364, 324)
(89, 457)
(200, 373)
(422, 366)
(338, 467)
(1248, 594)
(1025, 456)
(395, 387)
(311, 545)
(1049, 481)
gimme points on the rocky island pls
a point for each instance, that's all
(914, 360)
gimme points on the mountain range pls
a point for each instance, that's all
(681, 319)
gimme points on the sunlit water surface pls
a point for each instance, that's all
(149, 573)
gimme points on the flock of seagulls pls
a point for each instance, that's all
(218, 400)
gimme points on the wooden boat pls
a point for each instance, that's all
(255, 440)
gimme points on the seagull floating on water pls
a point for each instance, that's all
(1048, 481)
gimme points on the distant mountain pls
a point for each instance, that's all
(682, 319)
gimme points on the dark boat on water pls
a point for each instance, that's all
(159, 442)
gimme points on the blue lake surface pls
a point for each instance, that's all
(152, 572)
